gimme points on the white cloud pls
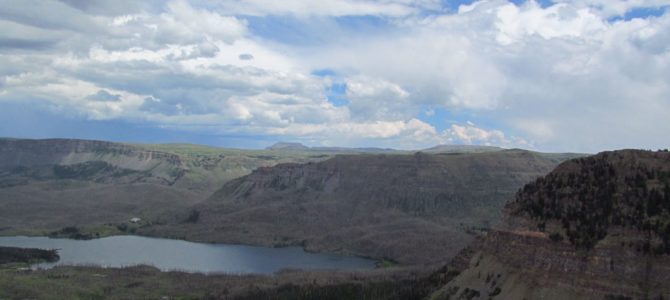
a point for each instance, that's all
(183, 22)
(471, 134)
(557, 21)
(563, 76)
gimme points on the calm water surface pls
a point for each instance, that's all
(167, 255)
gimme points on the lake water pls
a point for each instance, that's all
(168, 255)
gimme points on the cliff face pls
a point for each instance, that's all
(420, 184)
(593, 228)
(49, 184)
(25, 161)
(411, 208)
(68, 151)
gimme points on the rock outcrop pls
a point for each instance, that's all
(595, 227)
(414, 209)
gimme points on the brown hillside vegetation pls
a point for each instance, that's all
(596, 227)
(413, 209)
(96, 186)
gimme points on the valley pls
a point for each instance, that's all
(407, 207)
(339, 149)
(410, 208)
(46, 185)
(472, 225)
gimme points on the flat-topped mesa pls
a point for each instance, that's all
(287, 146)
(420, 183)
(412, 208)
(594, 227)
(23, 152)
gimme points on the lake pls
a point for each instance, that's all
(177, 255)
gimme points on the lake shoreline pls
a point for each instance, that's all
(145, 282)
(172, 254)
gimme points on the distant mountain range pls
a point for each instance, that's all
(435, 149)
(301, 147)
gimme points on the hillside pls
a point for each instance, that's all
(183, 166)
(595, 227)
(415, 208)
(46, 185)
(460, 148)
(378, 205)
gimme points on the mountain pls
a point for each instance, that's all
(343, 150)
(412, 208)
(595, 227)
(460, 148)
(53, 183)
(287, 146)
(332, 150)
(416, 209)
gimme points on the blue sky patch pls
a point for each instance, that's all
(641, 13)
(337, 94)
(324, 73)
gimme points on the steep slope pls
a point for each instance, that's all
(595, 227)
(410, 208)
(200, 168)
(49, 184)
(17, 157)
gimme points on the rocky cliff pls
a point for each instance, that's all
(49, 184)
(14, 152)
(595, 227)
(416, 208)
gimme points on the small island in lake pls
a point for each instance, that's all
(26, 255)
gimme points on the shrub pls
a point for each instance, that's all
(193, 217)
(556, 237)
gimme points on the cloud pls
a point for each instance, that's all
(103, 95)
(557, 21)
(470, 134)
(245, 56)
(611, 8)
(563, 77)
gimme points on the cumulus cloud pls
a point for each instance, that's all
(470, 134)
(564, 76)
(567, 76)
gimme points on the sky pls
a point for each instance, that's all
(555, 76)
